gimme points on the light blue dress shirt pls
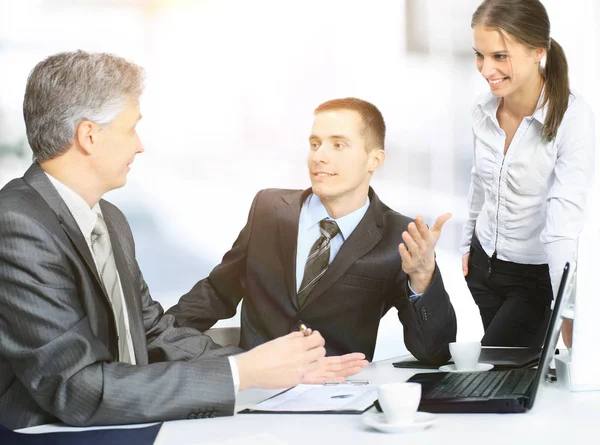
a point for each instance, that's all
(311, 213)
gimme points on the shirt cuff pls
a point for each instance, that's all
(235, 374)
(413, 295)
(464, 249)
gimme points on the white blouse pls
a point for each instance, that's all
(529, 206)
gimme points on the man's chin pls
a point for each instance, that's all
(323, 194)
(317, 188)
(119, 183)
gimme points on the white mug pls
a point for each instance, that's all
(465, 354)
(399, 401)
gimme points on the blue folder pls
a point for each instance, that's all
(130, 436)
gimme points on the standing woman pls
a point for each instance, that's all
(533, 166)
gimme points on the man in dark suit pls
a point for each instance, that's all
(329, 256)
(81, 340)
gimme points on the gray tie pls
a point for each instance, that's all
(107, 269)
(318, 260)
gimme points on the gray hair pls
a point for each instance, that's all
(68, 88)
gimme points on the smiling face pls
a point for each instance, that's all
(508, 66)
(340, 162)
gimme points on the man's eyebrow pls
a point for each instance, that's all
(336, 136)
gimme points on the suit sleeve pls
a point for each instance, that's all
(168, 342)
(429, 323)
(48, 340)
(216, 297)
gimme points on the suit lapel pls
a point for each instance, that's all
(287, 215)
(362, 240)
(37, 179)
(134, 310)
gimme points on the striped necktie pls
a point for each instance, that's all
(318, 259)
(105, 262)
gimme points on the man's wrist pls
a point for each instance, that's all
(245, 381)
(420, 281)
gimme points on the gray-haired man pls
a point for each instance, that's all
(82, 340)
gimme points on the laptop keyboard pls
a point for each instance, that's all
(482, 384)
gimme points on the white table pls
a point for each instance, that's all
(558, 417)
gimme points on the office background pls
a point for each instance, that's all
(228, 106)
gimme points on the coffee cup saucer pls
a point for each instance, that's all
(479, 368)
(376, 420)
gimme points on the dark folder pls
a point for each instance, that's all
(130, 436)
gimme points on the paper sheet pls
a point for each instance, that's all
(315, 398)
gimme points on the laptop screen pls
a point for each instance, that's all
(551, 334)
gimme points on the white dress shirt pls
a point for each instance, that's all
(529, 205)
(85, 217)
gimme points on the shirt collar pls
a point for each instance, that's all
(540, 111)
(84, 216)
(489, 105)
(315, 212)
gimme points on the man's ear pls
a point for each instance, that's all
(86, 136)
(376, 159)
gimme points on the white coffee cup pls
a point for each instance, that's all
(399, 401)
(465, 354)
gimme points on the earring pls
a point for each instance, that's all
(543, 62)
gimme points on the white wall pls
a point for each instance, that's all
(228, 106)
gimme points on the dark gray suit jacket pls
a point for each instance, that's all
(57, 331)
(363, 282)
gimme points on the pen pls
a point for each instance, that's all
(306, 331)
